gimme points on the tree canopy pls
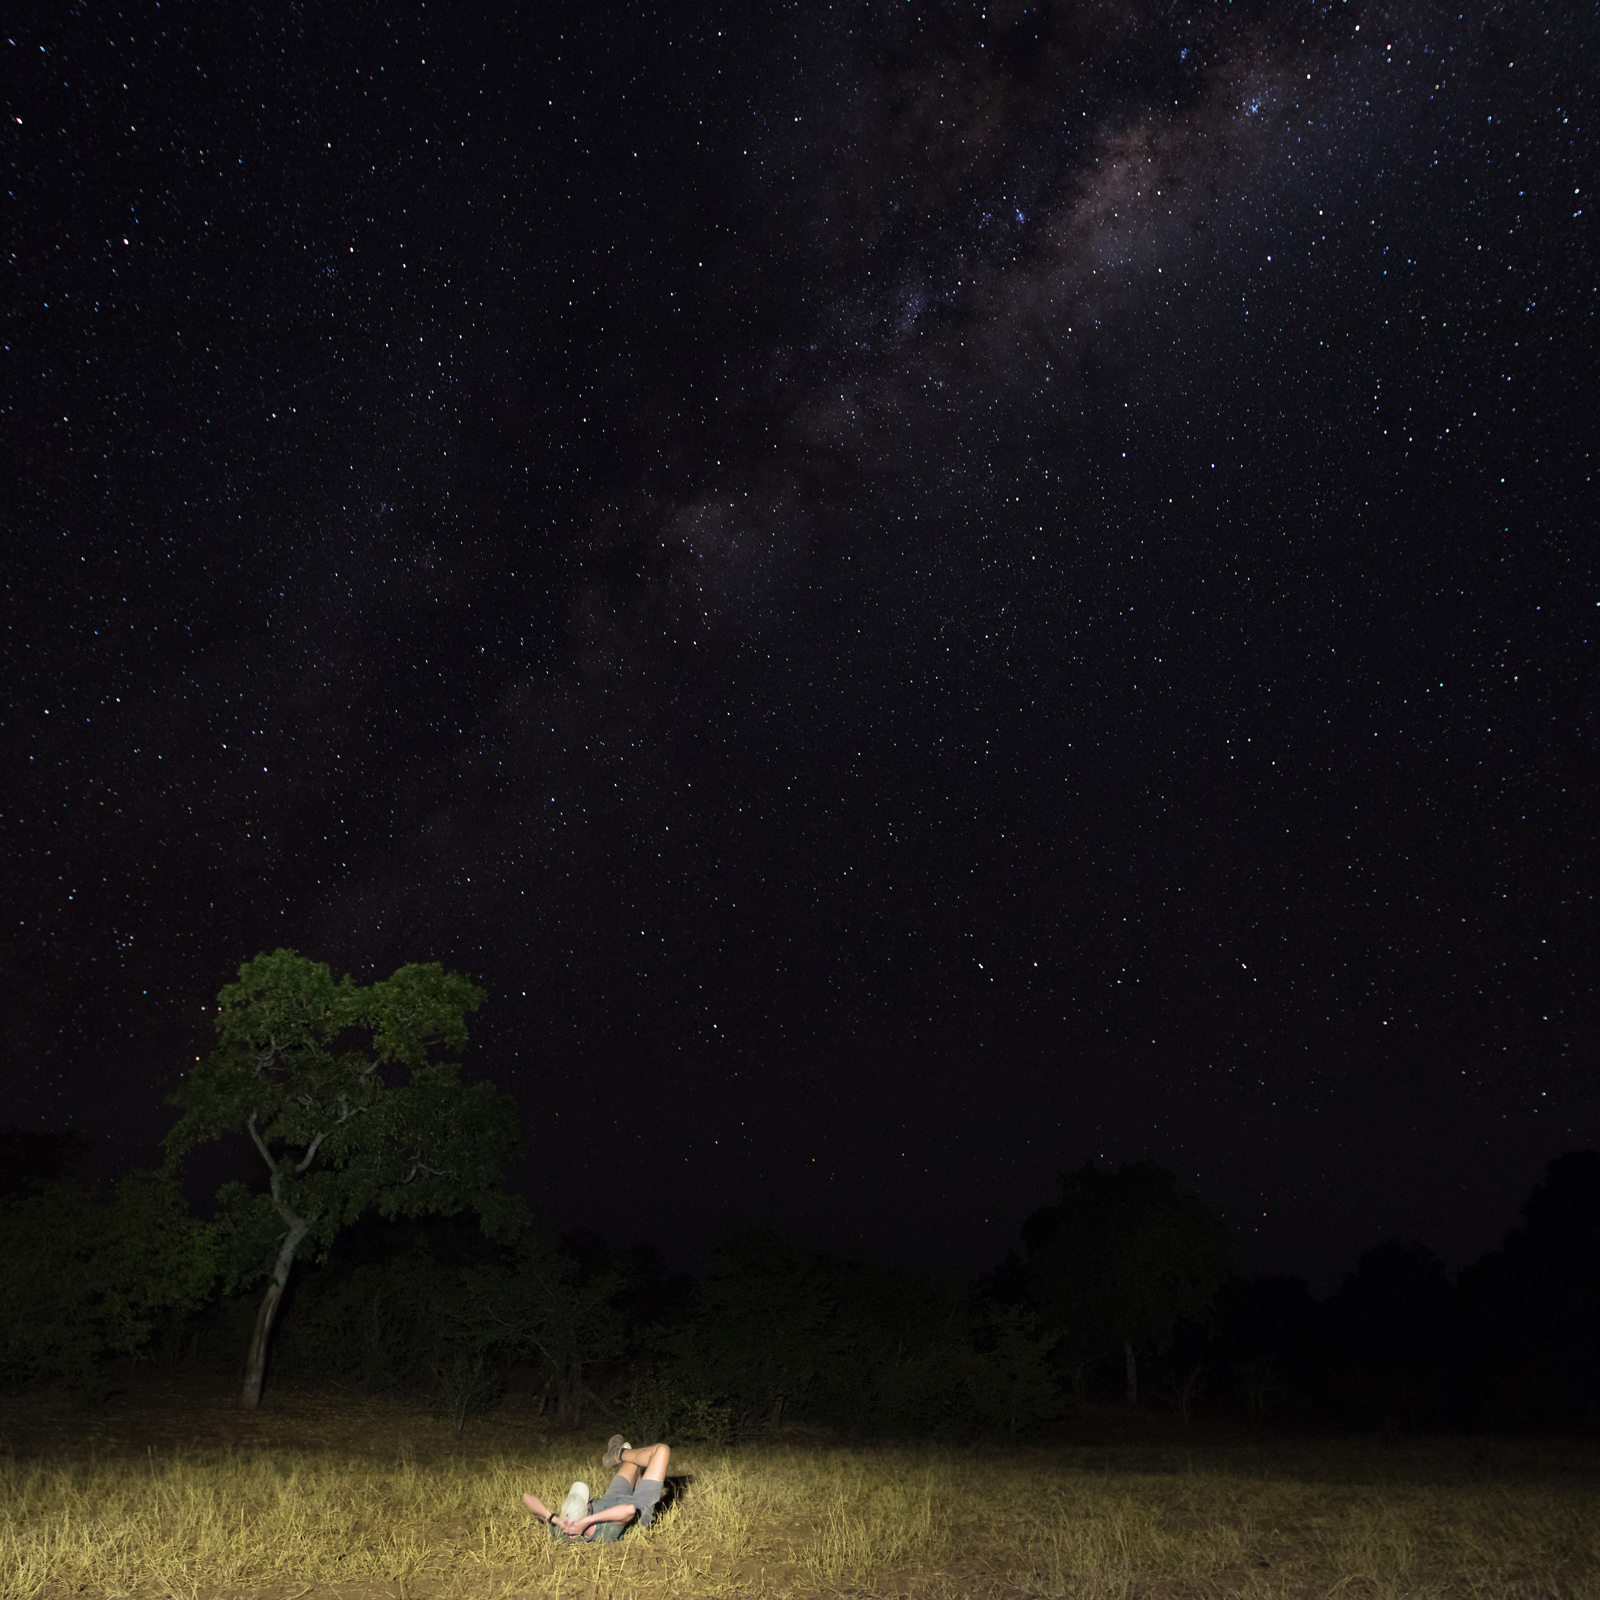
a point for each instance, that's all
(1121, 1258)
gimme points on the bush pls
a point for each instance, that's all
(85, 1279)
(661, 1406)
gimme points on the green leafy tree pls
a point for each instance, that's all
(1011, 1379)
(84, 1278)
(1120, 1260)
(339, 1088)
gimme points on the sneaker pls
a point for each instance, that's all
(612, 1459)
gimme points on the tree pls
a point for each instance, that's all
(1011, 1377)
(767, 1328)
(1532, 1309)
(83, 1278)
(1393, 1326)
(300, 1067)
(1120, 1260)
(1398, 1306)
(547, 1302)
(1267, 1336)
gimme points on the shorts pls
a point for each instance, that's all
(643, 1499)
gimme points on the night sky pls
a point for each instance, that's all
(923, 593)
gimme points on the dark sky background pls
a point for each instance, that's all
(923, 593)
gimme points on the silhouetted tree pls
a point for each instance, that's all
(1397, 1305)
(764, 1327)
(299, 1066)
(1120, 1259)
(1532, 1308)
(559, 1304)
(1391, 1326)
(1266, 1331)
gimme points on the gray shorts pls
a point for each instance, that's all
(643, 1500)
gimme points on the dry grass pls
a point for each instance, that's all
(1109, 1524)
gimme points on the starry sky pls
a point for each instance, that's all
(923, 593)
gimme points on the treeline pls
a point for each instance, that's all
(1119, 1291)
(378, 1249)
(1511, 1342)
(576, 1334)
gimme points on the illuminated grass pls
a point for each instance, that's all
(1475, 1521)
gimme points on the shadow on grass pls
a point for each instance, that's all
(678, 1487)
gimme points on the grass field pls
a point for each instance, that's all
(362, 1498)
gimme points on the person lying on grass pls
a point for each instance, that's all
(634, 1492)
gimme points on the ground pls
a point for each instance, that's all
(171, 1490)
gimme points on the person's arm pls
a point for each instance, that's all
(579, 1526)
(538, 1507)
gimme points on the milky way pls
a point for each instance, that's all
(923, 597)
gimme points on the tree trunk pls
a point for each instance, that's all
(569, 1394)
(1133, 1372)
(1079, 1371)
(256, 1365)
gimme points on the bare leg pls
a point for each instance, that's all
(644, 1461)
(537, 1507)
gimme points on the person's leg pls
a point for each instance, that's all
(645, 1461)
(645, 1464)
(653, 1477)
(537, 1507)
(639, 1479)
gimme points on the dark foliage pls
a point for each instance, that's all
(1512, 1343)
(777, 1329)
(576, 1333)
(88, 1278)
(1117, 1263)
(1531, 1311)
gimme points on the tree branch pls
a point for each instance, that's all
(298, 1228)
(545, 1353)
(261, 1145)
(429, 1172)
(346, 1111)
(310, 1154)
(265, 1058)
